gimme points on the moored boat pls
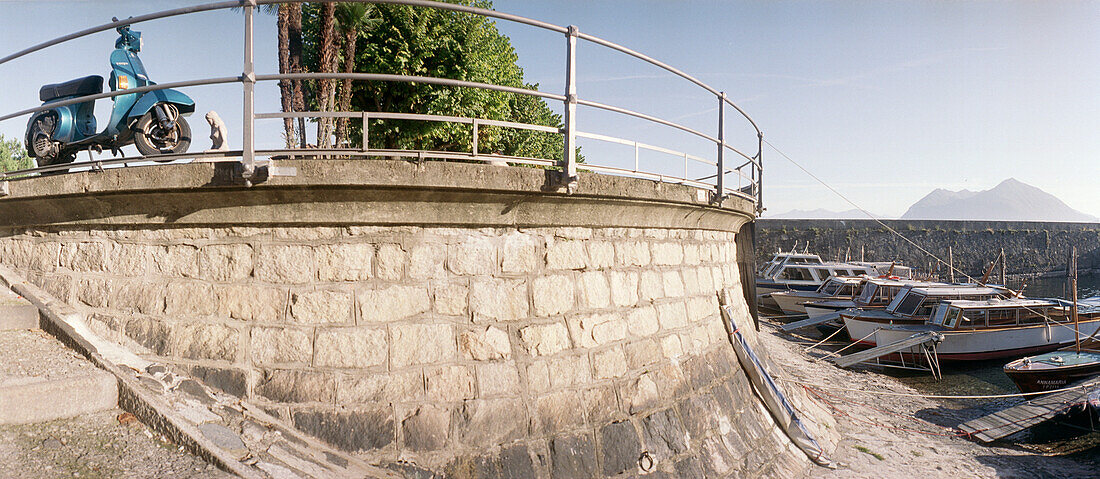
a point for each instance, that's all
(834, 288)
(1054, 370)
(912, 306)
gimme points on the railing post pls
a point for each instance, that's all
(760, 173)
(248, 78)
(720, 183)
(569, 156)
(366, 130)
(473, 148)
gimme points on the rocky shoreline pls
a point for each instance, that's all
(881, 436)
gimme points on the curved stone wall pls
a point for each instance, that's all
(453, 318)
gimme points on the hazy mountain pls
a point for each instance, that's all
(821, 213)
(1011, 200)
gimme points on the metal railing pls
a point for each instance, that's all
(749, 173)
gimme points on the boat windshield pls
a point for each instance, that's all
(941, 312)
(830, 287)
(796, 273)
(868, 294)
(951, 316)
(893, 306)
(909, 304)
(848, 290)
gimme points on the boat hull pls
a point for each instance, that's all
(982, 344)
(1051, 379)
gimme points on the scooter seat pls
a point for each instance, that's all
(89, 85)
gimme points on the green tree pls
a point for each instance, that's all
(13, 156)
(421, 41)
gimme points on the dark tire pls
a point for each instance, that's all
(151, 139)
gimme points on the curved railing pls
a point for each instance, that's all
(748, 171)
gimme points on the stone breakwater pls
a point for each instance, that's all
(1030, 247)
(474, 350)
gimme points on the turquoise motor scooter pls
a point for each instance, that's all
(152, 121)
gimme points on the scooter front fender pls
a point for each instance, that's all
(150, 99)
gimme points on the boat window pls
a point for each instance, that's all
(937, 317)
(1002, 316)
(925, 309)
(893, 306)
(796, 273)
(830, 288)
(848, 290)
(951, 317)
(909, 304)
(972, 318)
(868, 293)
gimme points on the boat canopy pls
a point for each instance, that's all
(995, 313)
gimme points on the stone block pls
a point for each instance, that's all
(595, 292)
(252, 302)
(485, 344)
(642, 322)
(518, 254)
(619, 448)
(664, 435)
(451, 299)
(668, 254)
(538, 376)
(93, 292)
(305, 233)
(128, 259)
(450, 383)
(702, 307)
(639, 394)
(513, 462)
(228, 380)
(632, 253)
(558, 411)
(672, 284)
(691, 254)
(344, 261)
(291, 386)
(691, 282)
(44, 257)
(565, 254)
(421, 344)
(573, 456)
(601, 404)
(476, 256)
(272, 346)
(426, 260)
(716, 459)
(545, 339)
(552, 295)
(400, 386)
(671, 347)
(350, 347)
(176, 261)
(571, 370)
(650, 286)
(184, 300)
(149, 333)
(204, 341)
(81, 257)
(138, 296)
(624, 288)
(426, 428)
(488, 422)
(390, 262)
(498, 379)
(706, 281)
(609, 363)
(498, 300)
(591, 330)
(672, 315)
(285, 264)
(320, 307)
(601, 255)
(225, 262)
(655, 233)
(689, 468)
(392, 303)
(352, 430)
(642, 353)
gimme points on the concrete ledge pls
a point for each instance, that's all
(380, 192)
(49, 399)
(16, 313)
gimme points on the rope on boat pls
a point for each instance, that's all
(819, 343)
(869, 215)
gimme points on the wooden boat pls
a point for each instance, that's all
(913, 305)
(806, 272)
(993, 328)
(834, 288)
(1055, 370)
(875, 293)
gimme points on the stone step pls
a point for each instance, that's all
(43, 380)
(16, 312)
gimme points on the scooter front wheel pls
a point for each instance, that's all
(151, 139)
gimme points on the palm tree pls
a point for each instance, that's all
(351, 19)
(327, 63)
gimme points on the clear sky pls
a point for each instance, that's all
(884, 100)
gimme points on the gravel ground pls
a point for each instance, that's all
(95, 445)
(879, 437)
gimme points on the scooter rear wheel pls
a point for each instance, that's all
(151, 139)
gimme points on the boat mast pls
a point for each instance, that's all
(1073, 305)
(951, 264)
